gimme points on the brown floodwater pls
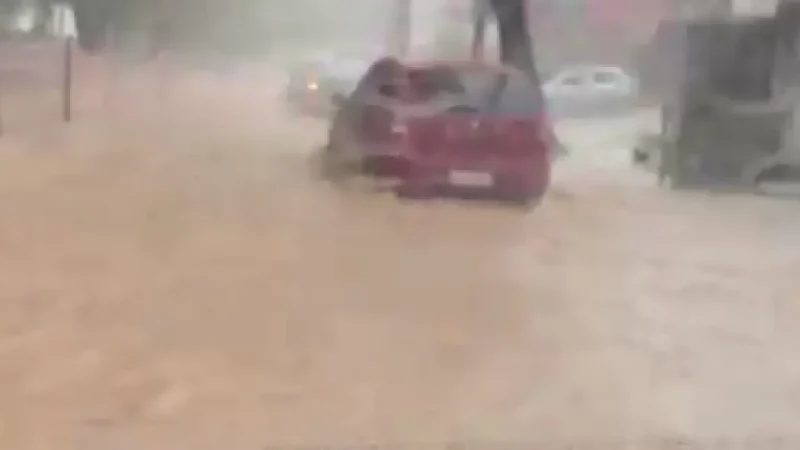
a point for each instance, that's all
(181, 279)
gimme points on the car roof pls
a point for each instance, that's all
(464, 64)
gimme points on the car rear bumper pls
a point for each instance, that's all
(518, 179)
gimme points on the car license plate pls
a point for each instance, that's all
(470, 179)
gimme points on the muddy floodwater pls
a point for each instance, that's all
(182, 280)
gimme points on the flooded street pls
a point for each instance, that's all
(185, 281)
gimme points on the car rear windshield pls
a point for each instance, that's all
(488, 91)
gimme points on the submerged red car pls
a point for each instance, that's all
(468, 128)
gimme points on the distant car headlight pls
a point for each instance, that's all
(312, 86)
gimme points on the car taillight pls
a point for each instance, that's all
(522, 137)
(547, 139)
(544, 129)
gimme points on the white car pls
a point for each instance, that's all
(590, 90)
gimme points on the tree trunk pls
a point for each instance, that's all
(479, 16)
(400, 28)
(92, 19)
(516, 46)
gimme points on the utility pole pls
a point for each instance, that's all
(67, 81)
(480, 14)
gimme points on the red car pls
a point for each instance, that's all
(468, 128)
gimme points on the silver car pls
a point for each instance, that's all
(585, 91)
